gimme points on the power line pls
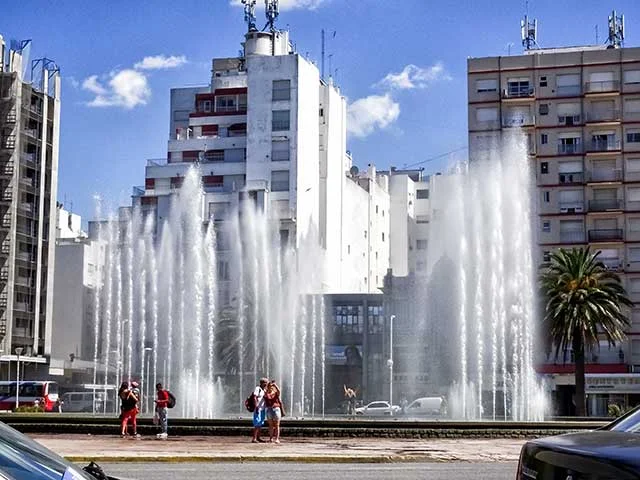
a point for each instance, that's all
(436, 157)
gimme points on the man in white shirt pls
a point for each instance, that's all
(259, 410)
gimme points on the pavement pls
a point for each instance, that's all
(105, 449)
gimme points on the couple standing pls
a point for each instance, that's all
(267, 405)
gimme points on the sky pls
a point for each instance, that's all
(401, 64)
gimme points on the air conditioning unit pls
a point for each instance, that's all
(564, 210)
(578, 209)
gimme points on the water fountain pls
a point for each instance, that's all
(208, 307)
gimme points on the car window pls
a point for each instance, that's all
(8, 390)
(377, 405)
(53, 388)
(627, 423)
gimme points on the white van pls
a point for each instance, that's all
(426, 406)
(82, 402)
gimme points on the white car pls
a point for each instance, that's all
(378, 409)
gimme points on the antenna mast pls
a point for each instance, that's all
(271, 12)
(616, 30)
(529, 32)
(322, 62)
(250, 14)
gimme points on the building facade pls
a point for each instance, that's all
(580, 111)
(29, 133)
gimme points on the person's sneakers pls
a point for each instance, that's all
(162, 436)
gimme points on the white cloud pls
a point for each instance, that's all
(288, 4)
(413, 76)
(126, 88)
(160, 62)
(367, 114)
(72, 80)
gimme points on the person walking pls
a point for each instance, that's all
(162, 405)
(128, 408)
(275, 410)
(259, 411)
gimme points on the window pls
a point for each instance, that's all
(422, 218)
(568, 84)
(421, 244)
(544, 138)
(519, 87)
(543, 109)
(487, 85)
(226, 103)
(544, 167)
(633, 136)
(280, 180)
(543, 81)
(489, 114)
(365, 234)
(280, 120)
(633, 164)
(376, 209)
(348, 249)
(634, 224)
(546, 196)
(214, 156)
(281, 90)
(422, 194)
(631, 77)
(219, 210)
(223, 270)
(383, 236)
(546, 256)
(632, 105)
(280, 151)
(546, 226)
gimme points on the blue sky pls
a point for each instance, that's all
(401, 64)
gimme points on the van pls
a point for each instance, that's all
(426, 406)
(82, 401)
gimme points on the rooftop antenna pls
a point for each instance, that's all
(616, 30)
(529, 32)
(322, 62)
(250, 14)
(271, 12)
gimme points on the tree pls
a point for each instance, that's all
(584, 302)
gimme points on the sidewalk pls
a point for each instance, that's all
(84, 448)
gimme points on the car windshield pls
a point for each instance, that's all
(22, 457)
(630, 422)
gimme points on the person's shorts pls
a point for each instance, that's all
(258, 417)
(274, 413)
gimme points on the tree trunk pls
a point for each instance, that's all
(578, 355)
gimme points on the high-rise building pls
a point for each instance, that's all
(29, 132)
(579, 108)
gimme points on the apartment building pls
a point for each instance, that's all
(29, 132)
(580, 110)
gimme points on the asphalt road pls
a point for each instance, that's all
(304, 471)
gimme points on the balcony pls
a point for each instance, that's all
(7, 142)
(605, 205)
(606, 235)
(602, 87)
(604, 145)
(572, 236)
(518, 121)
(569, 120)
(568, 91)
(569, 148)
(518, 91)
(603, 116)
(571, 178)
(571, 207)
(604, 175)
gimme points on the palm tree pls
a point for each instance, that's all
(584, 302)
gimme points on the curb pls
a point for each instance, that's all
(261, 459)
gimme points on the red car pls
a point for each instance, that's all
(43, 393)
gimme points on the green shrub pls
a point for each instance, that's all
(29, 409)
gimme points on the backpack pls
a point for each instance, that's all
(172, 400)
(250, 402)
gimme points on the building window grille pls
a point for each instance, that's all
(280, 181)
(280, 120)
(281, 90)
(280, 151)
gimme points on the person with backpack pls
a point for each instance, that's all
(163, 397)
(258, 409)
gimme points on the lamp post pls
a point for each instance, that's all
(390, 361)
(146, 381)
(18, 352)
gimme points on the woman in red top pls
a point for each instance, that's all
(275, 410)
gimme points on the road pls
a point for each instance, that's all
(310, 471)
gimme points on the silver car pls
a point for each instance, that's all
(379, 408)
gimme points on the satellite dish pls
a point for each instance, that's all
(354, 171)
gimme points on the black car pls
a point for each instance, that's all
(612, 452)
(22, 458)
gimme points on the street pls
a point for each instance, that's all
(312, 471)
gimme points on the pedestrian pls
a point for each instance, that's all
(259, 411)
(275, 410)
(128, 408)
(162, 405)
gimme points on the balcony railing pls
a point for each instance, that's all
(605, 145)
(613, 264)
(569, 120)
(604, 175)
(571, 177)
(568, 91)
(572, 237)
(489, 124)
(569, 148)
(604, 86)
(605, 235)
(604, 116)
(518, 92)
(517, 121)
(571, 207)
(605, 205)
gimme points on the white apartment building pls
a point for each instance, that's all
(580, 108)
(29, 133)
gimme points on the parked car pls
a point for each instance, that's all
(609, 452)
(31, 393)
(426, 406)
(378, 409)
(83, 402)
(24, 459)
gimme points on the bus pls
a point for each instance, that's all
(41, 393)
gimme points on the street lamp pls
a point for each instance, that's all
(18, 352)
(146, 399)
(390, 361)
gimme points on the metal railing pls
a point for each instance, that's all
(571, 207)
(571, 177)
(517, 121)
(604, 175)
(569, 148)
(605, 235)
(604, 86)
(8, 141)
(603, 116)
(605, 205)
(613, 264)
(569, 120)
(519, 91)
(605, 145)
